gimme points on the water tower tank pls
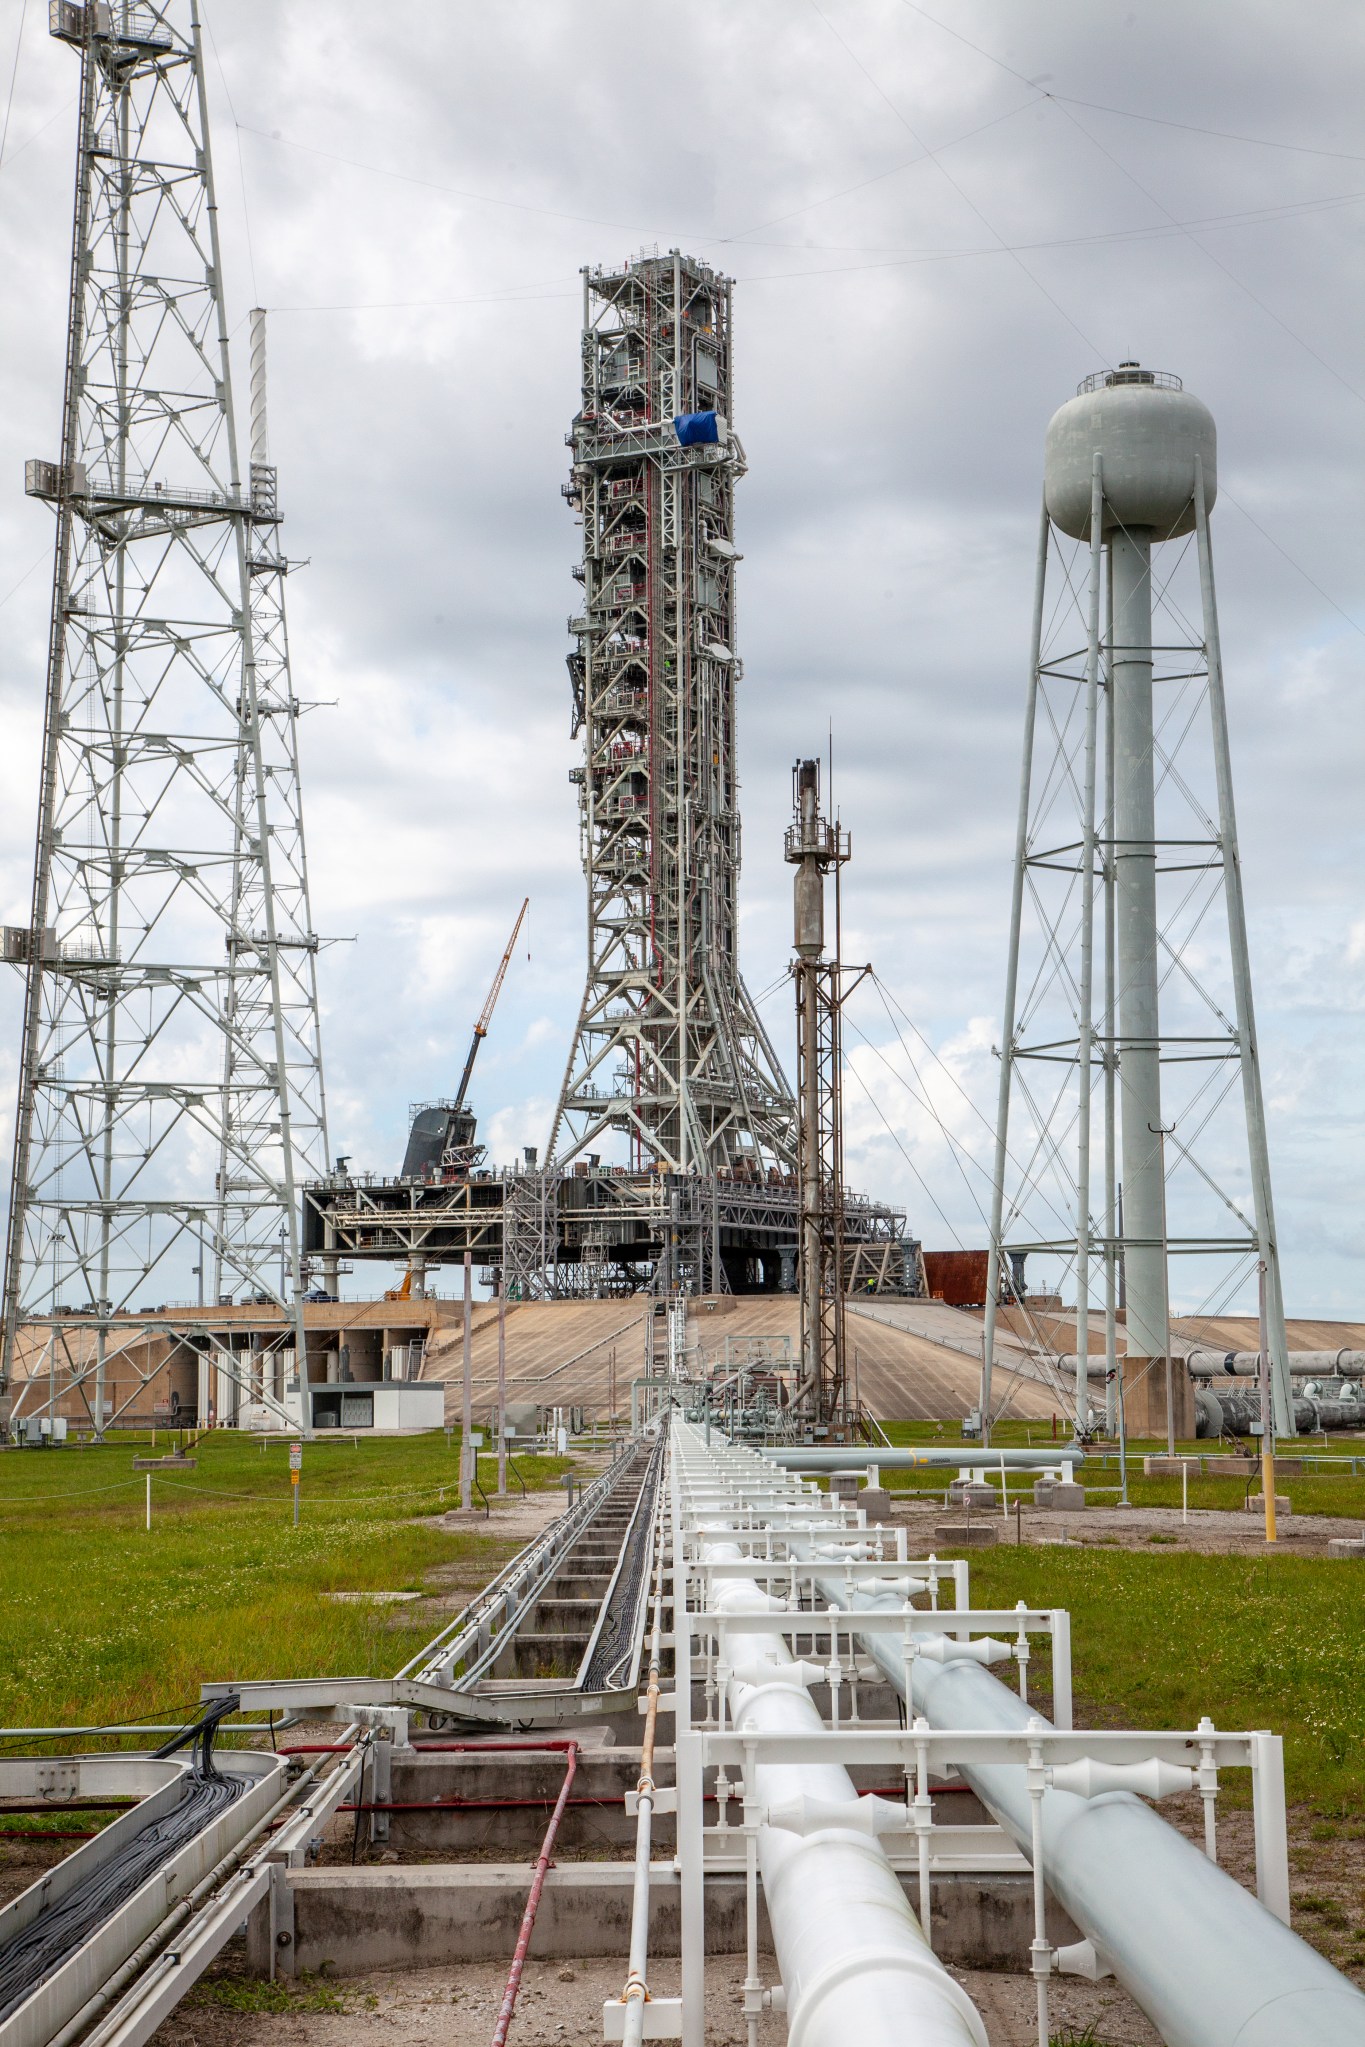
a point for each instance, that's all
(1148, 431)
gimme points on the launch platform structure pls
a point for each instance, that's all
(668, 1049)
(170, 1091)
(1131, 1125)
(816, 847)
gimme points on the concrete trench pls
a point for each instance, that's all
(446, 1900)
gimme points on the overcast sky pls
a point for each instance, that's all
(936, 232)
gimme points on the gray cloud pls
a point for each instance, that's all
(895, 371)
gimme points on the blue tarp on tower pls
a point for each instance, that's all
(696, 429)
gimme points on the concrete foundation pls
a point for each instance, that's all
(1145, 1382)
(349, 1921)
(1058, 1493)
(972, 1494)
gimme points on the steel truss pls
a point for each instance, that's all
(669, 1049)
(588, 1234)
(170, 1091)
(815, 847)
(1066, 1056)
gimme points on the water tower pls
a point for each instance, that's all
(1124, 1144)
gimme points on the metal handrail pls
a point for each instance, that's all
(434, 1663)
(635, 1994)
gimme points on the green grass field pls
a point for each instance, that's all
(101, 1620)
(1161, 1638)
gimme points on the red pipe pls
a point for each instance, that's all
(528, 1918)
(495, 1748)
(458, 1804)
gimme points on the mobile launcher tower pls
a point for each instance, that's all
(669, 1049)
(670, 1066)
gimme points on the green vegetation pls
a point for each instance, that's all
(101, 1620)
(1157, 1641)
(262, 1993)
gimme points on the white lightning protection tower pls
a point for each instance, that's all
(170, 1095)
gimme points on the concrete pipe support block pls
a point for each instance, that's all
(1058, 1494)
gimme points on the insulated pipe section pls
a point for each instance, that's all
(1237, 1412)
(853, 1960)
(971, 1454)
(1207, 1963)
(1246, 1364)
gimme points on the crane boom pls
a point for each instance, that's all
(486, 1013)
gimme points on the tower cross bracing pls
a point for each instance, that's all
(170, 1090)
(669, 1050)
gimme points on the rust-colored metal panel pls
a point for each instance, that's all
(957, 1277)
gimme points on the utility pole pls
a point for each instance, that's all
(467, 1390)
(1267, 1409)
(502, 1386)
(814, 846)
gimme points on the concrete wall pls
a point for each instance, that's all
(348, 1921)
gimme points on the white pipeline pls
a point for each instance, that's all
(970, 1456)
(1206, 1962)
(853, 1960)
(854, 1963)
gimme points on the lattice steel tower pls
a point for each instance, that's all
(1130, 1060)
(669, 1048)
(815, 847)
(171, 1083)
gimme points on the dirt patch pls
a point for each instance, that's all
(1208, 1529)
(1326, 1872)
(23, 1861)
(562, 2003)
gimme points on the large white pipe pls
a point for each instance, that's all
(1246, 1364)
(854, 1963)
(1207, 1963)
(1144, 1201)
(969, 1455)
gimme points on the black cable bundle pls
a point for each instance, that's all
(53, 1937)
